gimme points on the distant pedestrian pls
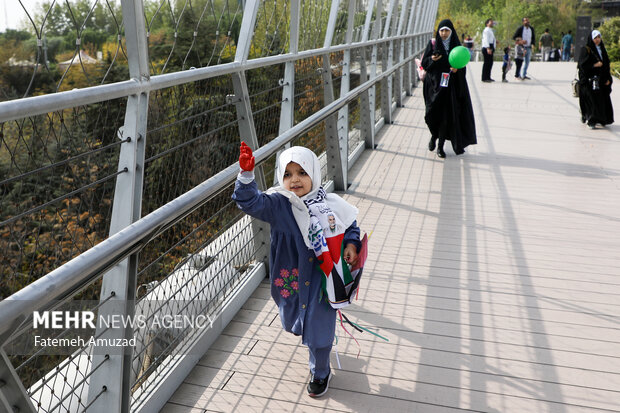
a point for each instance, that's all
(488, 47)
(567, 46)
(519, 56)
(507, 63)
(595, 82)
(449, 112)
(526, 33)
(545, 44)
(469, 44)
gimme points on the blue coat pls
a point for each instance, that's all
(294, 273)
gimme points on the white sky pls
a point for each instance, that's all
(12, 14)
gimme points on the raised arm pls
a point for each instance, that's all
(247, 195)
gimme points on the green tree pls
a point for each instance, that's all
(610, 32)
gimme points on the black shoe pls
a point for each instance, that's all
(491, 80)
(592, 125)
(432, 144)
(583, 120)
(487, 80)
(441, 153)
(318, 387)
(526, 77)
(459, 151)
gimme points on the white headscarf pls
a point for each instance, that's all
(595, 34)
(345, 212)
(307, 160)
(446, 43)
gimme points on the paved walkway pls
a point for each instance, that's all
(495, 275)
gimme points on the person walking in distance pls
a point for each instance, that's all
(545, 44)
(526, 33)
(567, 46)
(595, 83)
(449, 112)
(488, 47)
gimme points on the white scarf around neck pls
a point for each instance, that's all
(315, 207)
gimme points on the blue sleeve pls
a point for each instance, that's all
(254, 202)
(352, 236)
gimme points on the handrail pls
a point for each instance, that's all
(38, 105)
(86, 267)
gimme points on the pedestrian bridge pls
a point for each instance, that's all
(493, 275)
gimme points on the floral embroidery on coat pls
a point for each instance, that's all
(287, 282)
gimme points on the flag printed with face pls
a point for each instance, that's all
(327, 235)
(326, 218)
(340, 281)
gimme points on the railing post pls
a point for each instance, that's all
(420, 24)
(245, 119)
(428, 20)
(13, 396)
(400, 53)
(345, 86)
(119, 284)
(367, 110)
(287, 107)
(386, 64)
(411, 80)
(376, 34)
(336, 166)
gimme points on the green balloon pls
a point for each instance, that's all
(459, 57)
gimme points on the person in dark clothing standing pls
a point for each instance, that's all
(488, 47)
(526, 33)
(449, 113)
(469, 44)
(595, 83)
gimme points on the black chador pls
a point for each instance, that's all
(449, 113)
(594, 99)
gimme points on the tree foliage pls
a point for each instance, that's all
(610, 32)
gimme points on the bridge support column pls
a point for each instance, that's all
(111, 382)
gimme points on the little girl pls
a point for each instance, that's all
(507, 63)
(310, 232)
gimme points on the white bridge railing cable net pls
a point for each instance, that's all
(118, 146)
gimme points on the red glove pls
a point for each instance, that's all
(246, 160)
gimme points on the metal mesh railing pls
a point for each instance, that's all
(192, 135)
(186, 34)
(59, 166)
(272, 29)
(265, 87)
(64, 45)
(57, 174)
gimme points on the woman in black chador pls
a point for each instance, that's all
(449, 114)
(595, 83)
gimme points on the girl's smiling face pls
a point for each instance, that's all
(296, 179)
